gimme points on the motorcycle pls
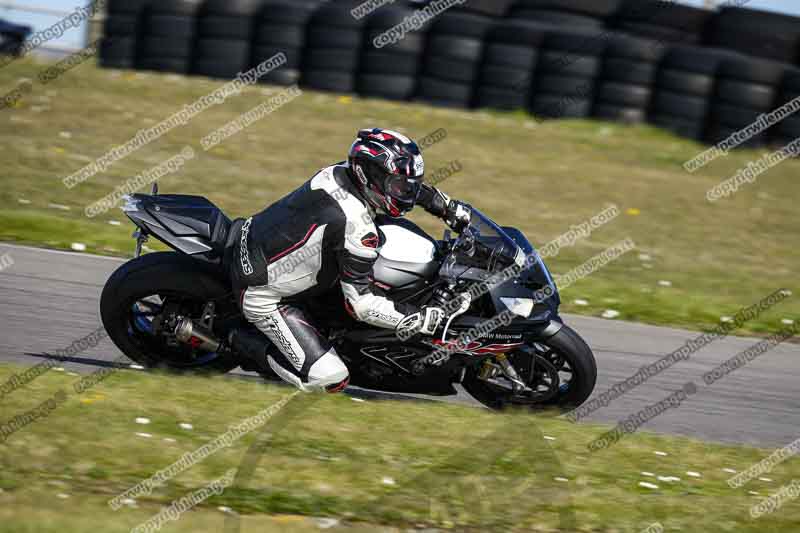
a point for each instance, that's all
(177, 310)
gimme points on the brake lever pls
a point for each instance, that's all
(466, 301)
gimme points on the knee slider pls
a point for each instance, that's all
(338, 387)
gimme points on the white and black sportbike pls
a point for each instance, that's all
(177, 310)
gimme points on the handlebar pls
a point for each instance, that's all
(472, 252)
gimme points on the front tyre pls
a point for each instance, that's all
(558, 372)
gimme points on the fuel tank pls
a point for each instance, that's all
(408, 261)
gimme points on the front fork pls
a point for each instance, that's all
(500, 364)
(489, 369)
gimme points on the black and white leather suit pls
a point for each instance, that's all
(319, 235)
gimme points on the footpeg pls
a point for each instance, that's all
(248, 343)
(251, 346)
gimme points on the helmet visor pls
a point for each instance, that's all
(403, 188)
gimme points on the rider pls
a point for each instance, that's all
(324, 232)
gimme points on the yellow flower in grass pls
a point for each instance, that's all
(93, 397)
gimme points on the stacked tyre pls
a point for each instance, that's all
(333, 47)
(567, 74)
(453, 58)
(684, 88)
(628, 78)
(225, 31)
(509, 65)
(747, 87)
(389, 70)
(494, 8)
(169, 31)
(281, 28)
(758, 33)
(667, 22)
(565, 13)
(120, 33)
(788, 129)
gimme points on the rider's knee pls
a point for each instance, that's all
(328, 373)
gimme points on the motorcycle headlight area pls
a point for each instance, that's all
(519, 306)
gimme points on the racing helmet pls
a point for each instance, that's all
(388, 170)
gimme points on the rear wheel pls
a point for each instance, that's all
(558, 372)
(144, 297)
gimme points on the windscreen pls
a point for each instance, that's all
(488, 232)
(505, 252)
(492, 249)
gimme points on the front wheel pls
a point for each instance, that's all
(558, 372)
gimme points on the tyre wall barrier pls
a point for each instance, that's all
(390, 72)
(120, 33)
(333, 47)
(167, 35)
(667, 22)
(699, 73)
(281, 27)
(452, 59)
(511, 56)
(628, 78)
(224, 39)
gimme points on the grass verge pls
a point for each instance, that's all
(696, 262)
(393, 464)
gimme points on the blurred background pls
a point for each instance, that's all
(638, 88)
(39, 14)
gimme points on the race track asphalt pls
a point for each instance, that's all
(48, 299)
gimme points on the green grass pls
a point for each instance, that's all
(391, 463)
(542, 178)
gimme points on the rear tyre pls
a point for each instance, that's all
(564, 354)
(129, 311)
